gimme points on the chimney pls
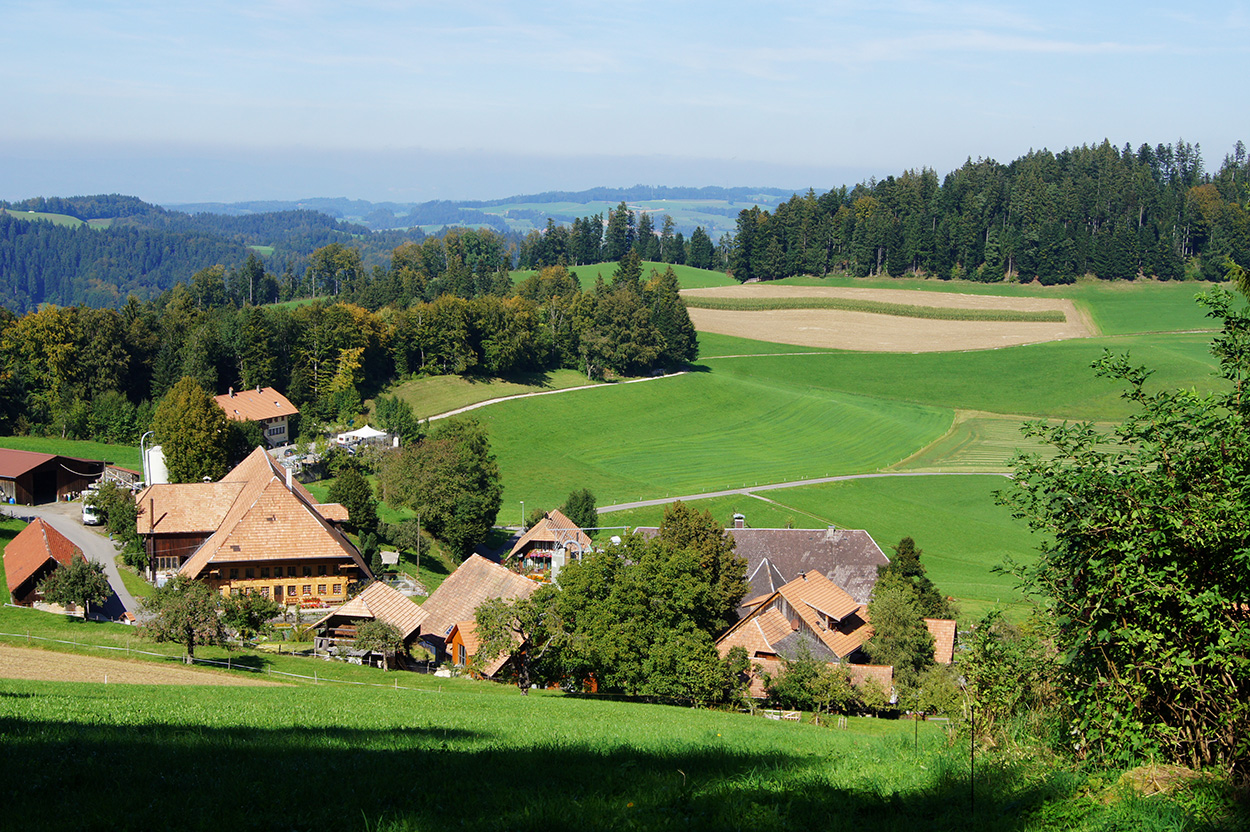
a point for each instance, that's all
(232, 392)
(740, 521)
(289, 478)
(258, 388)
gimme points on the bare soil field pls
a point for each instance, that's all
(870, 332)
(49, 666)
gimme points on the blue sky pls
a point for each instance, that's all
(407, 101)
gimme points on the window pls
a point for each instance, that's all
(338, 589)
(321, 570)
(290, 590)
(264, 571)
(264, 592)
(249, 573)
(307, 571)
(307, 589)
(460, 654)
(321, 589)
(290, 573)
(234, 574)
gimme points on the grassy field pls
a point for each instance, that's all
(124, 455)
(449, 753)
(439, 394)
(953, 519)
(696, 432)
(1051, 380)
(55, 219)
(976, 442)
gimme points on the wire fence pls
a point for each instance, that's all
(228, 664)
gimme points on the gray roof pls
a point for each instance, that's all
(848, 557)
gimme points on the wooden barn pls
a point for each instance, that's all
(28, 478)
(336, 632)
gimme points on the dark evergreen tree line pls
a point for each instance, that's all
(1114, 213)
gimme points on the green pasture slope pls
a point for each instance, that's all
(126, 456)
(695, 432)
(955, 520)
(401, 751)
(440, 394)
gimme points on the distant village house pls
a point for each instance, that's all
(265, 406)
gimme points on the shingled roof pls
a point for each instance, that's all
(266, 515)
(384, 603)
(475, 581)
(32, 549)
(811, 609)
(554, 528)
(943, 630)
(848, 557)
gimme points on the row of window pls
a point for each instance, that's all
(307, 591)
(250, 572)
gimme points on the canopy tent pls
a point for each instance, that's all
(360, 435)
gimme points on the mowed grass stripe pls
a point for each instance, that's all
(692, 433)
(1052, 380)
(902, 310)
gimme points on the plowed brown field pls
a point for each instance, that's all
(870, 332)
(48, 666)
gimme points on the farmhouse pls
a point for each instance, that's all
(337, 631)
(257, 530)
(847, 557)
(28, 478)
(266, 406)
(548, 545)
(31, 556)
(456, 599)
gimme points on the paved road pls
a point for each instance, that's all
(66, 518)
(476, 405)
(777, 485)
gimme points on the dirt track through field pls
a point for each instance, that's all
(49, 666)
(871, 332)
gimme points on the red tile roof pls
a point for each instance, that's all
(813, 604)
(31, 549)
(254, 405)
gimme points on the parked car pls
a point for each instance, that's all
(90, 517)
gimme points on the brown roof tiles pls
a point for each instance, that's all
(554, 528)
(31, 549)
(475, 581)
(255, 405)
(384, 603)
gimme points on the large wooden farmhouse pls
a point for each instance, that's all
(265, 406)
(257, 530)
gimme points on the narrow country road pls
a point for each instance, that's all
(66, 518)
(794, 484)
(476, 405)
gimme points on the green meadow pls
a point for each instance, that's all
(696, 432)
(127, 456)
(439, 394)
(954, 519)
(411, 752)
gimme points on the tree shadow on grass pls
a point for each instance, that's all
(62, 775)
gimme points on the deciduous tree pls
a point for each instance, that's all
(184, 612)
(192, 431)
(81, 583)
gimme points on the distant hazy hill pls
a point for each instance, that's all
(716, 209)
(144, 249)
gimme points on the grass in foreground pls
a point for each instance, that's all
(127, 456)
(376, 759)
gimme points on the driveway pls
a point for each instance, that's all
(66, 518)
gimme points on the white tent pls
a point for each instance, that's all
(359, 435)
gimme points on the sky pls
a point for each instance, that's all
(412, 101)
